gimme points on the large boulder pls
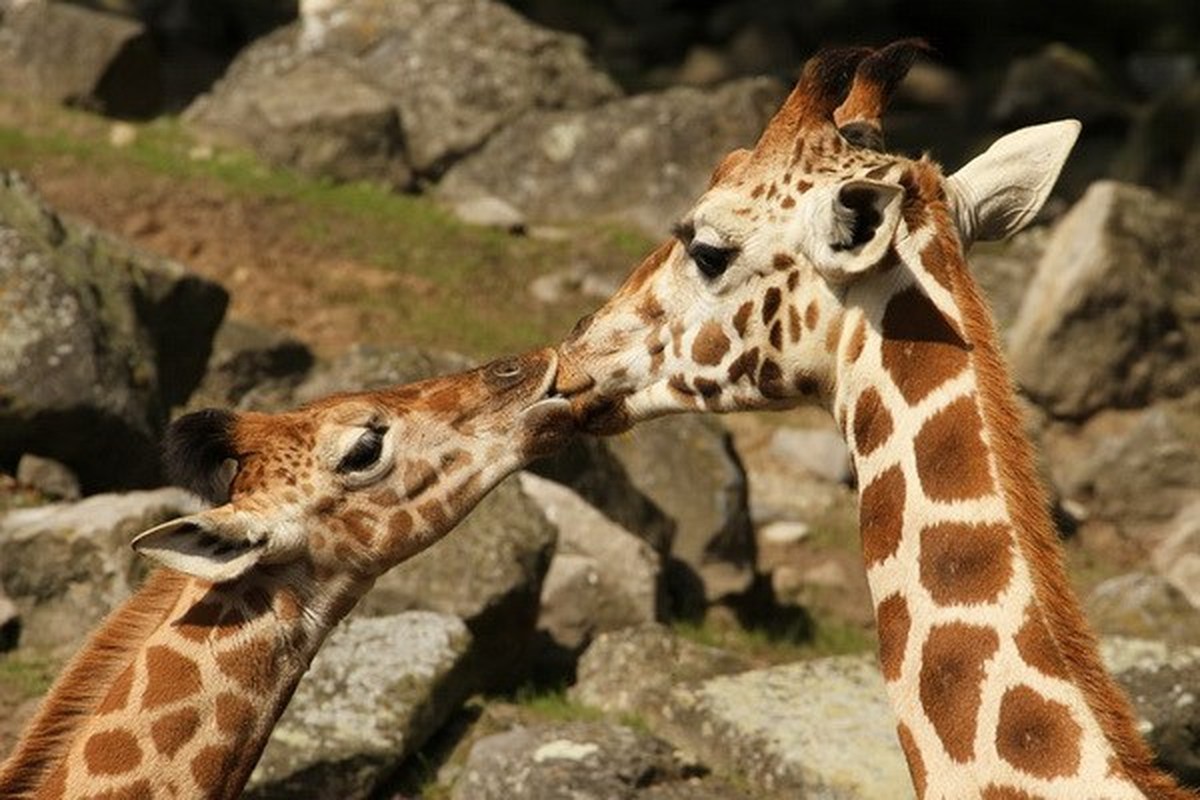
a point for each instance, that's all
(1056, 82)
(1133, 468)
(567, 761)
(1144, 606)
(1112, 316)
(66, 565)
(376, 691)
(487, 572)
(641, 159)
(62, 53)
(789, 728)
(633, 671)
(373, 89)
(97, 342)
(1177, 556)
(1161, 680)
(688, 467)
(250, 359)
(601, 578)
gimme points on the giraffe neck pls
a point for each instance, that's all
(179, 690)
(990, 666)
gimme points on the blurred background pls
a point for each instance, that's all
(252, 204)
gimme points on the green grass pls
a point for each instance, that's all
(812, 637)
(473, 294)
(27, 674)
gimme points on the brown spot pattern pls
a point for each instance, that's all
(881, 515)
(952, 460)
(771, 302)
(209, 768)
(1036, 646)
(118, 693)
(782, 261)
(770, 380)
(174, 730)
(111, 753)
(252, 664)
(794, 328)
(833, 334)
(233, 713)
(912, 754)
(776, 336)
(994, 792)
(742, 318)
(872, 422)
(921, 350)
(812, 315)
(894, 621)
(711, 345)
(951, 683)
(858, 340)
(169, 677)
(1036, 735)
(964, 564)
(744, 365)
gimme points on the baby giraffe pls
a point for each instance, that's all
(176, 693)
(820, 269)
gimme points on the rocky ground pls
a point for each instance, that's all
(677, 613)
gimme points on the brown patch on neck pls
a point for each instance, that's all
(86, 681)
(1036, 539)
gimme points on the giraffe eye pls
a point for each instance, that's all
(364, 453)
(711, 260)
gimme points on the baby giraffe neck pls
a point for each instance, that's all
(990, 666)
(177, 693)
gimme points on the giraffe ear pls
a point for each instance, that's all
(199, 547)
(847, 228)
(997, 193)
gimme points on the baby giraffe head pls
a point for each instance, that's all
(743, 309)
(356, 483)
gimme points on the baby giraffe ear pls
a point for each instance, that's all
(998, 193)
(847, 228)
(200, 547)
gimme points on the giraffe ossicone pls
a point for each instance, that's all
(177, 691)
(819, 269)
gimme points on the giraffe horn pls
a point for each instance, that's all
(822, 85)
(875, 79)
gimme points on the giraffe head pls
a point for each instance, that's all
(355, 483)
(743, 309)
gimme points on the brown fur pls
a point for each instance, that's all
(1027, 505)
(86, 680)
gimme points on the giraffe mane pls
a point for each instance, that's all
(1028, 505)
(85, 681)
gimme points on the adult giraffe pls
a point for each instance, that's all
(818, 268)
(176, 693)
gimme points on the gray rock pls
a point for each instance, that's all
(601, 578)
(566, 761)
(247, 359)
(643, 159)
(372, 89)
(687, 466)
(588, 467)
(376, 691)
(1004, 271)
(490, 212)
(97, 342)
(789, 728)
(634, 671)
(1056, 82)
(1163, 149)
(487, 572)
(1162, 680)
(1143, 606)
(1134, 468)
(1112, 317)
(821, 453)
(66, 565)
(1177, 557)
(61, 53)
(48, 476)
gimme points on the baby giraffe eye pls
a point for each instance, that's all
(711, 260)
(364, 453)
